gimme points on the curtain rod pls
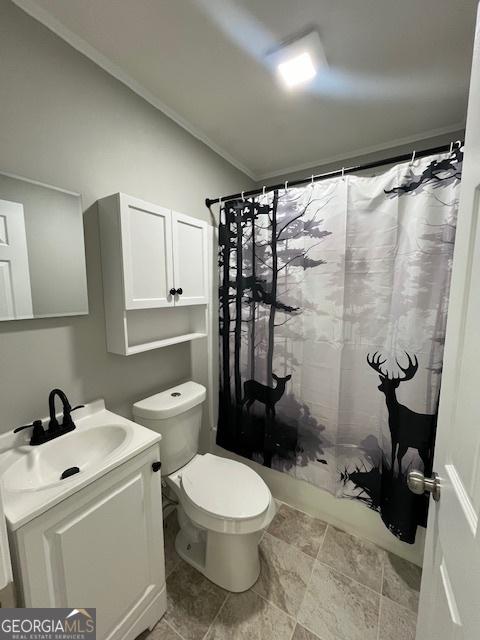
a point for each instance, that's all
(333, 174)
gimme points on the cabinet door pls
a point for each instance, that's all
(190, 256)
(102, 547)
(147, 254)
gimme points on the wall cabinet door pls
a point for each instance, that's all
(147, 254)
(103, 548)
(190, 257)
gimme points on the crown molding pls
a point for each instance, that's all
(420, 137)
(81, 45)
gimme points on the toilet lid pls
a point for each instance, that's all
(225, 488)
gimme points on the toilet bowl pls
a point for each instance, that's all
(223, 505)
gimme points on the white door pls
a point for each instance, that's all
(15, 291)
(190, 256)
(450, 593)
(147, 254)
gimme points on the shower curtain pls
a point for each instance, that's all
(333, 301)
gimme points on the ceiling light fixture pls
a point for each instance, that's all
(297, 70)
(299, 59)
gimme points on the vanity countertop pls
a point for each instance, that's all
(30, 475)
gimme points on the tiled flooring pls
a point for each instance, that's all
(316, 583)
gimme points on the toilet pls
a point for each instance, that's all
(223, 505)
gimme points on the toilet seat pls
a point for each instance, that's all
(224, 488)
(223, 495)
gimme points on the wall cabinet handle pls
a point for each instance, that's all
(156, 465)
(180, 291)
(172, 291)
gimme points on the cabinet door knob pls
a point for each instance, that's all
(172, 291)
(156, 465)
(180, 291)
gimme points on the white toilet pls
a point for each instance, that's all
(223, 505)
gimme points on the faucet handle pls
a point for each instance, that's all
(27, 426)
(38, 431)
(34, 424)
(67, 415)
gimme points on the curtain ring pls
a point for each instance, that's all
(243, 197)
(263, 191)
(286, 186)
(451, 149)
(312, 181)
(413, 157)
(459, 142)
(343, 173)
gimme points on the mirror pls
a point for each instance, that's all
(42, 251)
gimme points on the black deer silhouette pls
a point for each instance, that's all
(408, 429)
(269, 396)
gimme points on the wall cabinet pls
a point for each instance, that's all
(154, 263)
(101, 547)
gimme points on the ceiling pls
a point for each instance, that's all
(398, 71)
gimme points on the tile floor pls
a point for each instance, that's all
(316, 583)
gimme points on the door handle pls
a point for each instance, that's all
(418, 484)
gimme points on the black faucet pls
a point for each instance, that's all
(67, 425)
(39, 434)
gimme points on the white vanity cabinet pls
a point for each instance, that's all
(100, 547)
(155, 265)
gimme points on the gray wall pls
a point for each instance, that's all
(65, 122)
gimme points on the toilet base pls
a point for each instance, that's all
(231, 561)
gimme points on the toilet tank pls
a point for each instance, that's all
(177, 415)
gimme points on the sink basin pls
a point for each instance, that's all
(31, 477)
(42, 466)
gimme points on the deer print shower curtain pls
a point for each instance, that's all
(333, 301)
